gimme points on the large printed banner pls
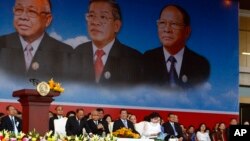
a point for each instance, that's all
(183, 56)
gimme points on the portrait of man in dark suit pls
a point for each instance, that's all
(105, 60)
(174, 64)
(30, 52)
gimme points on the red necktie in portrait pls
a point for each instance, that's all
(98, 64)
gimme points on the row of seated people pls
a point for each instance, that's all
(98, 123)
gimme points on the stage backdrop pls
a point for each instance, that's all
(214, 36)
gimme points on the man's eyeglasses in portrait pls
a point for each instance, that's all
(31, 12)
(174, 25)
(104, 19)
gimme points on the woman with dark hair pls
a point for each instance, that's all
(201, 134)
(220, 135)
(70, 114)
(152, 129)
(110, 122)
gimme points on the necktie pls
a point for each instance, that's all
(14, 125)
(79, 122)
(13, 122)
(98, 64)
(125, 123)
(28, 55)
(96, 123)
(175, 133)
(172, 72)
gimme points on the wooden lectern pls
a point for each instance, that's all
(35, 113)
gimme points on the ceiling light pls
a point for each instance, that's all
(245, 53)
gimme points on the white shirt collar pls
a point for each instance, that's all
(178, 56)
(12, 117)
(35, 44)
(106, 49)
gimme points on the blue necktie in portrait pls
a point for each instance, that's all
(172, 72)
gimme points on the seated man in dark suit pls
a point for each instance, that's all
(96, 125)
(174, 64)
(172, 128)
(30, 52)
(101, 115)
(105, 60)
(10, 122)
(123, 122)
(77, 125)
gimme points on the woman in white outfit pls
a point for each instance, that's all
(152, 129)
(202, 135)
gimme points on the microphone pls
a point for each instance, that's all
(34, 81)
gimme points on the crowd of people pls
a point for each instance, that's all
(98, 123)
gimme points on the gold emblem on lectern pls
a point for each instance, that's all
(43, 88)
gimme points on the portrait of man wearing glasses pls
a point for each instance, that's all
(105, 60)
(173, 64)
(30, 52)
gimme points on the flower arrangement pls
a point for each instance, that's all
(125, 133)
(49, 136)
(11, 136)
(33, 135)
(55, 86)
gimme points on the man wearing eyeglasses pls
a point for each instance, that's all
(30, 52)
(173, 64)
(105, 60)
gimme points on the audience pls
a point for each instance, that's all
(100, 124)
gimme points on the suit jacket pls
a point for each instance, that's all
(74, 128)
(170, 131)
(6, 124)
(123, 65)
(118, 124)
(52, 57)
(195, 69)
(95, 130)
